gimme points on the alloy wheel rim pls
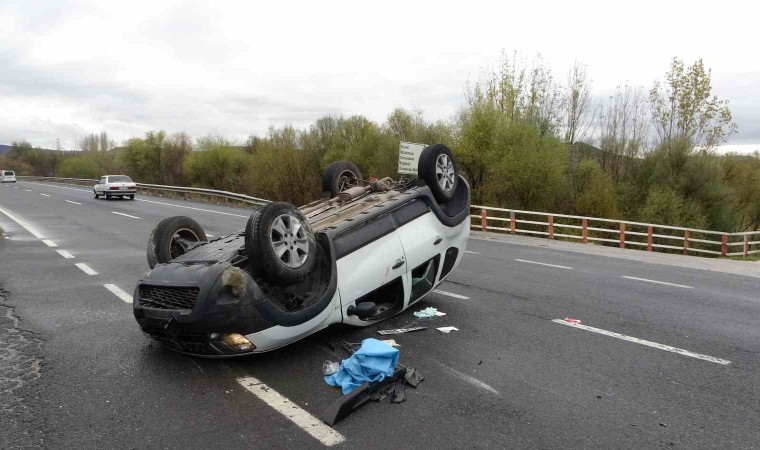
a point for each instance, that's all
(444, 172)
(289, 241)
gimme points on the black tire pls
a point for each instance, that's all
(170, 238)
(132, 197)
(95, 193)
(266, 229)
(443, 180)
(106, 196)
(340, 175)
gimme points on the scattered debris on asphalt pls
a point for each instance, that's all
(401, 330)
(413, 377)
(373, 362)
(391, 342)
(571, 320)
(429, 312)
(447, 330)
(330, 367)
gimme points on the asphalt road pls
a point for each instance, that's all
(77, 372)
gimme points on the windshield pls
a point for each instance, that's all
(8, 173)
(119, 179)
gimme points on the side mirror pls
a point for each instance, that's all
(363, 310)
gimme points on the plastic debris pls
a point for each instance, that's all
(330, 367)
(571, 320)
(401, 330)
(413, 377)
(429, 312)
(398, 392)
(373, 362)
(447, 329)
(391, 342)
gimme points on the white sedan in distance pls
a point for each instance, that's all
(115, 186)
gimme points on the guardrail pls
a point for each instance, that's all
(150, 188)
(621, 233)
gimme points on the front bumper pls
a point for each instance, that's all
(190, 307)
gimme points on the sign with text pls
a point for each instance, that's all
(409, 157)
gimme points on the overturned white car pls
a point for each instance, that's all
(365, 252)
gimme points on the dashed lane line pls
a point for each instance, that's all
(472, 253)
(49, 243)
(28, 190)
(22, 224)
(45, 195)
(86, 269)
(119, 292)
(635, 340)
(658, 282)
(544, 264)
(310, 424)
(451, 294)
(65, 254)
(125, 215)
(75, 203)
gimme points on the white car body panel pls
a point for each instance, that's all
(8, 176)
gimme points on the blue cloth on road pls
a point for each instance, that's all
(373, 362)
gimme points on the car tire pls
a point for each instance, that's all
(131, 197)
(171, 237)
(280, 244)
(106, 196)
(439, 171)
(95, 193)
(340, 175)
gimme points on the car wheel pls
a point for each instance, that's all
(438, 170)
(173, 237)
(131, 197)
(95, 193)
(280, 244)
(339, 176)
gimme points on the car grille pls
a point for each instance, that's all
(196, 348)
(158, 297)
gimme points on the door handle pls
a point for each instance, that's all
(438, 240)
(399, 263)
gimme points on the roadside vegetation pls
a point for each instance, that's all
(523, 137)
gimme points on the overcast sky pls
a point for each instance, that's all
(234, 68)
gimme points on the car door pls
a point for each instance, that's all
(101, 186)
(370, 256)
(420, 233)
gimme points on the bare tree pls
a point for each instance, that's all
(623, 129)
(95, 142)
(577, 104)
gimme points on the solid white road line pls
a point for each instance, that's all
(472, 253)
(189, 207)
(544, 264)
(86, 269)
(125, 215)
(22, 224)
(451, 294)
(65, 254)
(76, 203)
(46, 195)
(667, 348)
(658, 282)
(119, 292)
(49, 243)
(310, 424)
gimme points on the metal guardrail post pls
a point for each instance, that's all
(512, 223)
(686, 235)
(746, 245)
(724, 245)
(483, 220)
(649, 238)
(622, 235)
(584, 222)
(551, 227)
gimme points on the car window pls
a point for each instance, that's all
(120, 179)
(10, 173)
(102, 181)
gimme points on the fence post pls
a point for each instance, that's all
(746, 245)
(585, 230)
(724, 245)
(686, 242)
(649, 238)
(512, 223)
(483, 224)
(622, 235)
(551, 227)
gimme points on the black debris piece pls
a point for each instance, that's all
(401, 330)
(413, 377)
(398, 392)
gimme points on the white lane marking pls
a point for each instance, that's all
(189, 207)
(49, 243)
(22, 224)
(658, 282)
(46, 195)
(119, 292)
(209, 235)
(667, 348)
(86, 269)
(544, 264)
(125, 215)
(473, 253)
(310, 424)
(65, 254)
(472, 380)
(451, 294)
(76, 203)
(28, 190)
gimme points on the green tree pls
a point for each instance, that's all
(593, 191)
